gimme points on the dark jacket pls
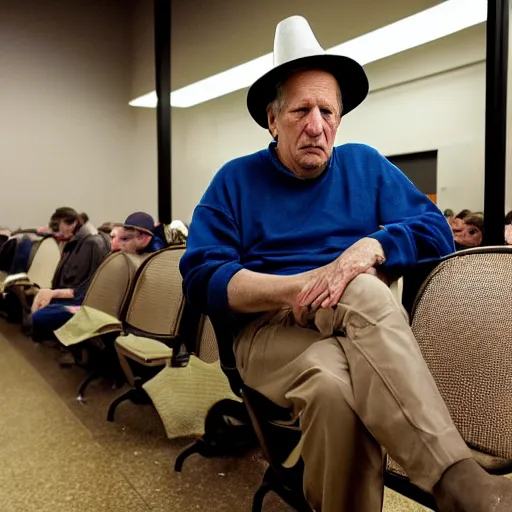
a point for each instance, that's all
(7, 254)
(80, 259)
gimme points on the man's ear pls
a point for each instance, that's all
(272, 126)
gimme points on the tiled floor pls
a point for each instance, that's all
(60, 455)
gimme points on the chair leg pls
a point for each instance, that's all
(403, 486)
(113, 406)
(81, 389)
(185, 454)
(259, 496)
(288, 486)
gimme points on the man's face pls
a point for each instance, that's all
(467, 235)
(307, 123)
(67, 228)
(129, 240)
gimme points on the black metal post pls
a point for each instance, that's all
(496, 120)
(162, 15)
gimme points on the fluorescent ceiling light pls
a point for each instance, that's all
(421, 28)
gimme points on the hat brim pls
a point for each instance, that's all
(349, 74)
(138, 228)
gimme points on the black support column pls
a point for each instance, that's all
(496, 120)
(162, 14)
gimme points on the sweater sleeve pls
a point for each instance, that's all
(212, 258)
(413, 229)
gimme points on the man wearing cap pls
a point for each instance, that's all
(50, 309)
(138, 234)
(293, 246)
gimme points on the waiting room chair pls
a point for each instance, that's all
(112, 282)
(256, 421)
(463, 328)
(45, 257)
(206, 344)
(109, 292)
(151, 327)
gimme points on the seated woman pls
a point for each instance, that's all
(81, 256)
(53, 308)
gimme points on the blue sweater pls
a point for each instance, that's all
(257, 215)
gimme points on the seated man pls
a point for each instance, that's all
(138, 234)
(51, 308)
(287, 244)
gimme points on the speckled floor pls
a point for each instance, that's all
(60, 455)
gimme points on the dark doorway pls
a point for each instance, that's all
(421, 169)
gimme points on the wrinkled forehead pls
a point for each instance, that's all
(313, 83)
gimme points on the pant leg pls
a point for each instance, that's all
(394, 392)
(21, 256)
(294, 368)
(49, 319)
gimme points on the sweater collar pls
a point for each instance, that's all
(272, 152)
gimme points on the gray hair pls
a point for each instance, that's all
(279, 101)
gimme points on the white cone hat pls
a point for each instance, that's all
(296, 47)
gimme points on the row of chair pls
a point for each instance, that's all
(459, 317)
(144, 323)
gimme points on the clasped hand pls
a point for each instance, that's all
(42, 299)
(326, 285)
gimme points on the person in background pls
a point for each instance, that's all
(115, 238)
(106, 228)
(448, 215)
(53, 310)
(508, 228)
(175, 233)
(4, 235)
(458, 221)
(82, 254)
(137, 235)
(470, 233)
(15, 256)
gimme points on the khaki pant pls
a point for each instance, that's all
(358, 382)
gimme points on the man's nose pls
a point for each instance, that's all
(314, 126)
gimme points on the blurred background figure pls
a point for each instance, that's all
(448, 215)
(469, 231)
(137, 234)
(508, 228)
(175, 233)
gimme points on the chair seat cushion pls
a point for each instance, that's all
(183, 396)
(144, 348)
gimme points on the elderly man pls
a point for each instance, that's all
(288, 244)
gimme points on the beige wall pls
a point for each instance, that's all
(429, 98)
(66, 130)
(68, 136)
(142, 55)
